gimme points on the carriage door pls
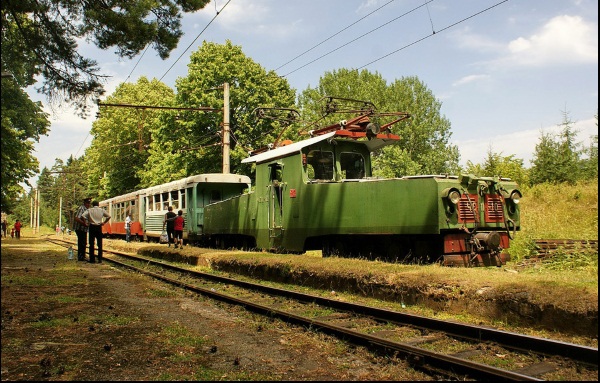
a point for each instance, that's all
(275, 200)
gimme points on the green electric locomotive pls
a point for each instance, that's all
(320, 194)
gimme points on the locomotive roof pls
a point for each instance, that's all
(284, 151)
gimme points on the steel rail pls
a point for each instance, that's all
(510, 340)
(417, 356)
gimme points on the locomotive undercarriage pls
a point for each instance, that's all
(455, 249)
(416, 249)
(481, 249)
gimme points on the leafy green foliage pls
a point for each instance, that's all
(424, 145)
(23, 123)
(557, 159)
(189, 143)
(44, 34)
(122, 135)
(503, 166)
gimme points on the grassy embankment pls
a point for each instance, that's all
(559, 212)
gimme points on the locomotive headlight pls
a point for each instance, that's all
(515, 196)
(454, 197)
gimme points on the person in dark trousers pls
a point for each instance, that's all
(81, 229)
(18, 226)
(178, 224)
(128, 227)
(95, 218)
(169, 221)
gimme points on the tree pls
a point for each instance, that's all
(424, 145)
(501, 166)
(590, 164)
(190, 143)
(23, 123)
(115, 160)
(44, 34)
(557, 159)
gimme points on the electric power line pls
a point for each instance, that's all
(335, 34)
(358, 38)
(426, 37)
(189, 46)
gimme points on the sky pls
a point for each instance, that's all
(505, 72)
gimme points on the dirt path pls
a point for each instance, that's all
(68, 320)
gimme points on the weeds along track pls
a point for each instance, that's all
(441, 348)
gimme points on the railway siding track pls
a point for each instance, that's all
(548, 247)
(477, 349)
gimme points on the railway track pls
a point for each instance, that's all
(546, 247)
(441, 348)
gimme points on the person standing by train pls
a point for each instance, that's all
(81, 229)
(18, 226)
(178, 223)
(95, 217)
(169, 221)
(127, 227)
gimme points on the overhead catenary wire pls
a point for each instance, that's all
(335, 34)
(358, 38)
(136, 64)
(433, 33)
(197, 37)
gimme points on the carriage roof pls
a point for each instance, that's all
(199, 178)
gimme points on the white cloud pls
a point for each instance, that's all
(465, 39)
(564, 39)
(470, 79)
(250, 18)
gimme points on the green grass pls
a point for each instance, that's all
(559, 212)
(179, 335)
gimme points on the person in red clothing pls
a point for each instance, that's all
(178, 227)
(18, 229)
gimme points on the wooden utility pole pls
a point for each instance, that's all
(226, 128)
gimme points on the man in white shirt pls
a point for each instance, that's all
(95, 217)
(128, 227)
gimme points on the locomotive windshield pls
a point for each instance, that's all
(352, 165)
(320, 165)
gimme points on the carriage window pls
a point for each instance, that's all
(157, 204)
(320, 165)
(165, 200)
(175, 199)
(352, 165)
(182, 193)
(150, 203)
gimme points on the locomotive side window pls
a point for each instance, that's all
(352, 165)
(319, 165)
(275, 173)
(215, 196)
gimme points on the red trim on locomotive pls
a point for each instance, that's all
(494, 209)
(466, 214)
(457, 243)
